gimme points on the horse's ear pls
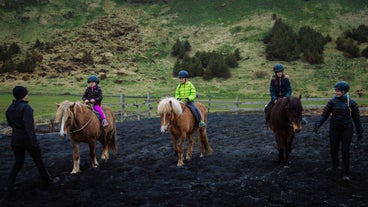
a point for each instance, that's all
(300, 96)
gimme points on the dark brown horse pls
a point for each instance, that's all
(83, 125)
(286, 120)
(181, 123)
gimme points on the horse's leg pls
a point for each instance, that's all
(280, 148)
(92, 153)
(175, 146)
(288, 148)
(181, 150)
(205, 148)
(76, 158)
(105, 150)
(190, 147)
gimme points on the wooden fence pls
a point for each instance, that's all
(138, 107)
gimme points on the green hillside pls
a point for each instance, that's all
(131, 44)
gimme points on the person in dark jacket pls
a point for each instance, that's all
(20, 118)
(279, 87)
(93, 95)
(344, 112)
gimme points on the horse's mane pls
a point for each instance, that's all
(165, 107)
(64, 109)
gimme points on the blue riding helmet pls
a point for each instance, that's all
(93, 78)
(342, 86)
(183, 74)
(278, 68)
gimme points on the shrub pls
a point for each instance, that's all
(311, 44)
(359, 34)
(283, 43)
(8, 66)
(346, 45)
(27, 66)
(365, 52)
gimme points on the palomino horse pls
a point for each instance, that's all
(286, 120)
(83, 125)
(181, 123)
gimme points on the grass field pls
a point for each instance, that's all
(208, 25)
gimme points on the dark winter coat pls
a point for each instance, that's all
(343, 115)
(93, 93)
(20, 117)
(280, 87)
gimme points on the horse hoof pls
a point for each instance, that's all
(74, 172)
(180, 164)
(286, 167)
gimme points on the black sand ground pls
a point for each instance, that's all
(241, 171)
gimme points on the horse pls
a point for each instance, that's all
(84, 126)
(181, 123)
(285, 121)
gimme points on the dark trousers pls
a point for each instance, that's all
(195, 110)
(268, 109)
(19, 154)
(341, 137)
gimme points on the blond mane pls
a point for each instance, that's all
(165, 107)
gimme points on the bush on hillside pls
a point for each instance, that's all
(311, 44)
(347, 46)
(365, 52)
(180, 48)
(27, 66)
(7, 52)
(8, 66)
(282, 43)
(359, 34)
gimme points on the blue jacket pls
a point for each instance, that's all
(93, 93)
(342, 114)
(280, 87)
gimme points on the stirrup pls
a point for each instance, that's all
(202, 124)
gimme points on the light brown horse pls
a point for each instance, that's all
(78, 119)
(181, 123)
(286, 120)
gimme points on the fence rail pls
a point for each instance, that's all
(133, 107)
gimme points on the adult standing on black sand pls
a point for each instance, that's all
(20, 118)
(344, 112)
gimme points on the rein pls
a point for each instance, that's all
(84, 126)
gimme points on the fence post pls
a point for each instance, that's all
(122, 109)
(136, 104)
(209, 104)
(149, 105)
(237, 105)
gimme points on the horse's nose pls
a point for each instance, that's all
(297, 130)
(163, 129)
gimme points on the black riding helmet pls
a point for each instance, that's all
(183, 74)
(342, 86)
(93, 78)
(278, 68)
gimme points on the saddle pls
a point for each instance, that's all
(191, 107)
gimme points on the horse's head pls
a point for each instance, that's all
(168, 108)
(65, 116)
(294, 110)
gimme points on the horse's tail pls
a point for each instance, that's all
(111, 138)
(112, 141)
